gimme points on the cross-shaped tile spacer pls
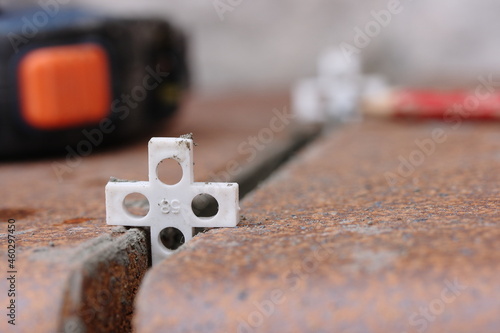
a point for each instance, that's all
(170, 206)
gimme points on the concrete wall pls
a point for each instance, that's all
(266, 44)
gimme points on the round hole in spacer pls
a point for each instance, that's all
(136, 204)
(169, 171)
(172, 238)
(204, 205)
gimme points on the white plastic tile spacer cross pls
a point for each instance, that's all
(170, 206)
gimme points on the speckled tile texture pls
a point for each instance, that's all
(381, 226)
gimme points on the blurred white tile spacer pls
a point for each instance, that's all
(174, 210)
(307, 101)
(336, 92)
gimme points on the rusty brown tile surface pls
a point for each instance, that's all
(327, 245)
(76, 274)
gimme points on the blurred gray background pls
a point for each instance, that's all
(267, 44)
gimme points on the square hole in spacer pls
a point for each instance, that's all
(170, 202)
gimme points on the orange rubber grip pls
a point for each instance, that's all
(64, 86)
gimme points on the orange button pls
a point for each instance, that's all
(65, 86)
